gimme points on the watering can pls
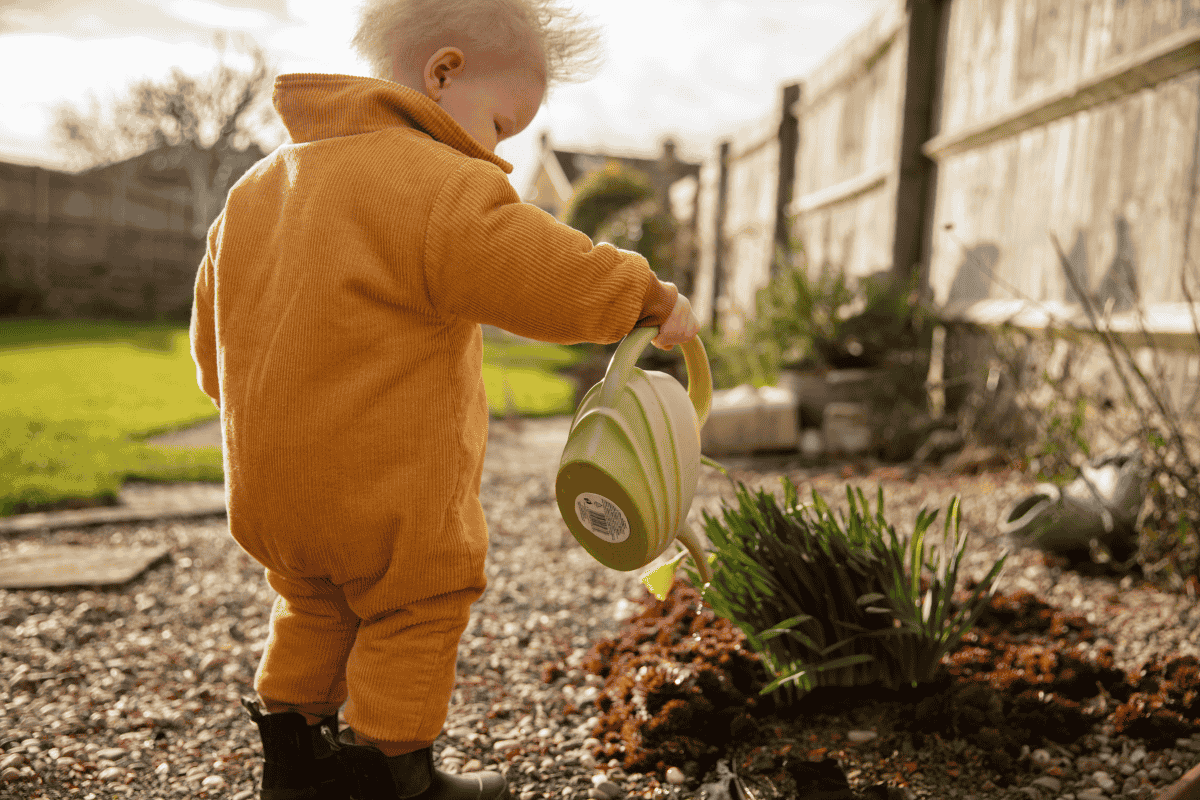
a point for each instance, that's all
(631, 463)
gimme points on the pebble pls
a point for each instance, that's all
(1086, 764)
(605, 788)
(214, 783)
(504, 745)
(10, 774)
(1048, 783)
(12, 760)
(1137, 756)
(858, 737)
(530, 794)
(1104, 781)
(111, 774)
(1041, 757)
(1091, 794)
(1130, 785)
(675, 776)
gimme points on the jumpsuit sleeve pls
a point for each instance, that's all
(493, 259)
(202, 331)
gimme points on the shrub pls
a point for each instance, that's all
(617, 204)
(825, 319)
(829, 602)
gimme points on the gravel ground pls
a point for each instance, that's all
(133, 691)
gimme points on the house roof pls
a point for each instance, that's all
(565, 167)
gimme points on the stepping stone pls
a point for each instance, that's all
(71, 565)
(52, 520)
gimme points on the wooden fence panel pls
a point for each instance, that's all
(1078, 119)
(849, 116)
(704, 294)
(954, 136)
(749, 226)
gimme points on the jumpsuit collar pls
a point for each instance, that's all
(316, 106)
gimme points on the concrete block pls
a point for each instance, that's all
(817, 388)
(846, 428)
(745, 419)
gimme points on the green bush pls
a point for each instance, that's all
(828, 602)
(617, 204)
(803, 319)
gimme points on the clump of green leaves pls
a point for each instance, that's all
(840, 602)
(821, 318)
(617, 204)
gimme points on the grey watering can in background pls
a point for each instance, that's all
(631, 463)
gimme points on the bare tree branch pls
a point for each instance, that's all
(212, 113)
(1115, 344)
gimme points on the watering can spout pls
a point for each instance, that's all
(631, 463)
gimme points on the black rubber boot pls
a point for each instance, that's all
(412, 776)
(298, 760)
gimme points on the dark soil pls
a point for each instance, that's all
(682, 689)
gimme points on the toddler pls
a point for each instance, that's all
(336, 324)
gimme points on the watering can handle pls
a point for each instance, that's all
(694, 357)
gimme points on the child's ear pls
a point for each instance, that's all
(443, 67)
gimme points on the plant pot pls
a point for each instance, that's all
(818, 387)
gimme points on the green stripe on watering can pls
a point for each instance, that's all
(664, 481)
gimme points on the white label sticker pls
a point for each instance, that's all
(602, 517)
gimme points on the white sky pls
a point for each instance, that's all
(694, 69)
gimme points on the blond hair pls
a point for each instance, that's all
(398, 35)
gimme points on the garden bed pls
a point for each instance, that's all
(1018, 704)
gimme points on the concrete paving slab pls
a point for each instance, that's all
(206, 434)
(85, 517)
(51, 566)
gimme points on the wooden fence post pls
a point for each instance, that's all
(913, 166)
(789, 144)
(719, 237)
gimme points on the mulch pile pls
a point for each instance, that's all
(681, 688)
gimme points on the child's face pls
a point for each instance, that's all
(490, 103)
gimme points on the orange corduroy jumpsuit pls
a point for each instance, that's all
(336, 324)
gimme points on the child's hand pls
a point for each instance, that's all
(681, 326)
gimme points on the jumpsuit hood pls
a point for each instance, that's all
(316, 106)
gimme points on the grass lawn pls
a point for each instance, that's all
(76, 398)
